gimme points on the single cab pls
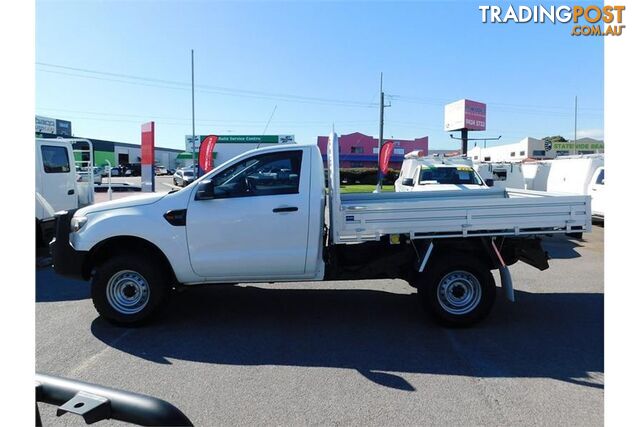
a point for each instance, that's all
(243, 222)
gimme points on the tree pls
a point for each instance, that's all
(556, 138)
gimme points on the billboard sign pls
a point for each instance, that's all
(187, 142)
(45, 125)
(256, 139)
(571, 145)
(63, 127)
(465, 114)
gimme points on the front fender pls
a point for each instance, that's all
(144, 222)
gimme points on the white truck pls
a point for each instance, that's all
(579, 174)
(232, 225)
(437, 173)
(59, 184)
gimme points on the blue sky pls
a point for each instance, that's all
(320, 63)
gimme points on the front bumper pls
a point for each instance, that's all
(66, 260)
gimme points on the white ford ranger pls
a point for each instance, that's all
(239, 224)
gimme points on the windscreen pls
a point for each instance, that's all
(449, 175)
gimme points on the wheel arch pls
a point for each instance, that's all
(124, 244)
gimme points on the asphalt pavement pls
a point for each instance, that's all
(341, 353)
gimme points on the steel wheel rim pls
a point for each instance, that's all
(459, 292)
(128, 292)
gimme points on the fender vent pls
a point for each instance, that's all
(176, 217)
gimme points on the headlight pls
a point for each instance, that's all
(77, 222)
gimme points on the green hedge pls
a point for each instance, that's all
(352, 176)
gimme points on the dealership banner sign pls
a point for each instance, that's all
(205, 156)
(385, 156)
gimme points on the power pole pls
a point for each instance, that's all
(193, 119)
(575, 126)
(380, 137)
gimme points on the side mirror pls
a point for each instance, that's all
(205, 190)
(489, 182)
(408, 182)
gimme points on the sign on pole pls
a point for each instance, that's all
(465, 114)
(148, 161)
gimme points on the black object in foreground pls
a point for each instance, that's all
(95, 403)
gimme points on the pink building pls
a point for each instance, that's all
(361, 151)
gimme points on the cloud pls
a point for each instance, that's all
(591, 133)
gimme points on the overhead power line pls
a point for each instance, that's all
(170, 84)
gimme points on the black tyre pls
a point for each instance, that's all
(129, 289)
(458, 291)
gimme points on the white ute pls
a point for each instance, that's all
(435, 173)
(59, 185)
(236, 224)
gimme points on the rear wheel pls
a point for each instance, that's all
(457, 291)
(129, 289)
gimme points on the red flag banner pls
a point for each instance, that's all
(205, 157)
(385, 156)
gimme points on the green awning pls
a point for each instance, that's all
(185, 155)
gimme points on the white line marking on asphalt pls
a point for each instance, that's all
(90, 361)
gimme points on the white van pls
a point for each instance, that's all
(58, 185)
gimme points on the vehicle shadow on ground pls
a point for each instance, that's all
(562, 247)
(380, 334)
(51, 287)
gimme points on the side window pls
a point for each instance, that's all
(600, 179)
(264, 175)
(55, 159)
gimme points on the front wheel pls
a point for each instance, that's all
(457, 291)
(129, 289)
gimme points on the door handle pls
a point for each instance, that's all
(285, 209)
(70, 192)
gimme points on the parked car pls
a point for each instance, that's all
(183, 177)
(422, 173)
(226, 230)
(132, 169)
(160, 170)
(90, 174)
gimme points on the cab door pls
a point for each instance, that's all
(57, 170)
(255, 222)
(596, 191)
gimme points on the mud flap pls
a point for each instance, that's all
(507, 283)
